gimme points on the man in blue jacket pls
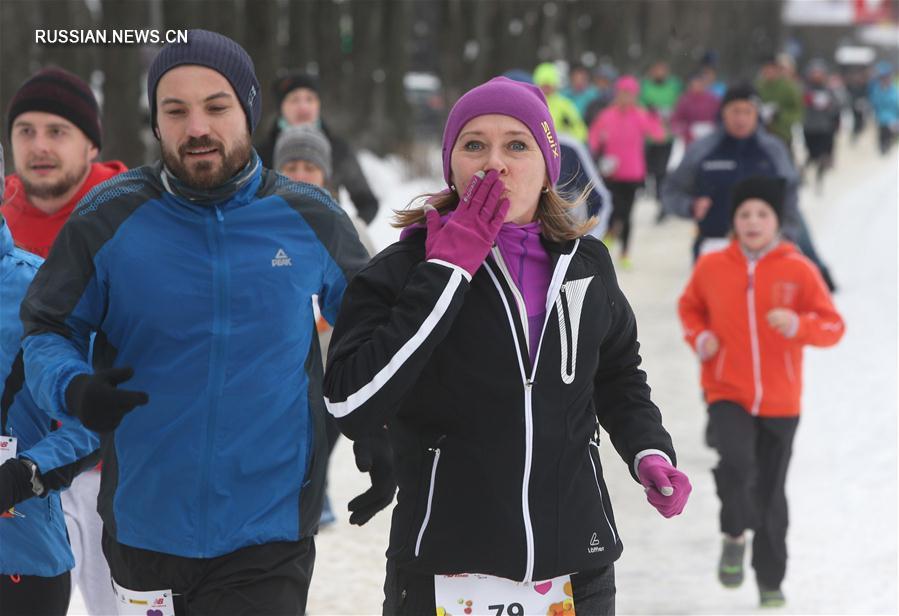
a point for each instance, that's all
(700, 188)
(35, 461)
(196, 275)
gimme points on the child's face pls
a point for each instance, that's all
(755, 224)
(304, 171)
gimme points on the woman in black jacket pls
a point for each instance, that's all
(492, 341)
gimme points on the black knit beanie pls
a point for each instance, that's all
(740, 92)
(57, 91)
(293, 81)
(221, 54)
(770, 189)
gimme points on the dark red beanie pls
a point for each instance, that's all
(57, 91)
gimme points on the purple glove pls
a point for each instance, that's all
(466, 237)
(667, 489)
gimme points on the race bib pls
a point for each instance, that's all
(8, 452)
(143, 603)
(7, 448)
(475, 594)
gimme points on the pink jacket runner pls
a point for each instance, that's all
(621, 133)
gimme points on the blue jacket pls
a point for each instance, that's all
(885, 102)
(36, 544)
(211, 306)
(712, 166)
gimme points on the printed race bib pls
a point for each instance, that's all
(143, 603)
(8, 448)
(475, 594)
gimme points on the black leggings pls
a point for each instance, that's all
(623, 194)
(657, 156)
(751, 481)
(32, 595)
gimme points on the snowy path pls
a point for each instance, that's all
(842, 485)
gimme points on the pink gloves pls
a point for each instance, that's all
(667, 489)
(466, 237)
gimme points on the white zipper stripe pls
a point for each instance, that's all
(516, 292)
(502, 296)
(719, 369)
(528, 436)
(788, 362)
(526, 482)
(424, 523)
(555, 285)
(598, 489)
(362, 395)
(754, 341)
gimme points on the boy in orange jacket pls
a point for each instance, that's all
(747, 311)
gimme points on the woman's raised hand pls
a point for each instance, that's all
(466, 237)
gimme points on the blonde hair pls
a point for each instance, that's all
(553, 212)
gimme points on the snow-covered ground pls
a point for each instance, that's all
(842, 485)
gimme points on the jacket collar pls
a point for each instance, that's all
(239, 189)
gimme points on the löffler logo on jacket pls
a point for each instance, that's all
(281, 259)
(594, 545)
(549, 137)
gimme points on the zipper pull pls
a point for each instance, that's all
(219, 215)
(436, 447)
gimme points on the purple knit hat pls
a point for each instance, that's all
(522, 101)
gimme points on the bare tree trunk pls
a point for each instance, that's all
(260, 40)
(122, 120)
(302, 47)
(396, 130)
(18, 19)
(334, 67)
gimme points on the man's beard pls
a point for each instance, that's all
(207, 174)
(56, 189)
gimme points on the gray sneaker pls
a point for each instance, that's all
(730, 567)
(771, 597)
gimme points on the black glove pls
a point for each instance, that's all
(94, 399)
(373, 456)
(15, 483)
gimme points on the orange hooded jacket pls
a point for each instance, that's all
(756, 366)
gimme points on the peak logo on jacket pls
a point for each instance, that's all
(281, 259)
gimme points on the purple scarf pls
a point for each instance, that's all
(531, 271)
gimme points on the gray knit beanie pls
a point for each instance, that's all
(221, 54)
(303, 142)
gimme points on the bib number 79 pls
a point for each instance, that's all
(512, 609)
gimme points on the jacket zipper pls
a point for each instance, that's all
(719, 369)
(789, 366)
(221, 308)
(754, 340)
(424, 523)
(599, 489)
(569, 340)
(528, 382)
